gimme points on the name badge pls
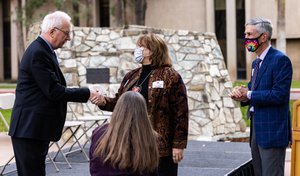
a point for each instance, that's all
(158, 84)
(252, 72)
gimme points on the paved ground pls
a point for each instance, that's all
(201, 158)
(207, 158)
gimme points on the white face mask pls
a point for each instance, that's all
(138, 54)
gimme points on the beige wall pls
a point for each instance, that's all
(177, 14)
(292, 19)
(265, 9)
(294, 54)
(268, 9)
(191, 14)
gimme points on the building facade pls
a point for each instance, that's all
(225, 18)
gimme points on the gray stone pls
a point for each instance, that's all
(70, 63)
(91, 36)
(82, 48)
(182, 32)
(113, 35)
(214, 71)
(192, 57)
(65, 54)
(96, 61)
(174, 39)
(102, 38)
(124, 44)
(228, 102)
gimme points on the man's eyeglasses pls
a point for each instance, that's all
(67, 33)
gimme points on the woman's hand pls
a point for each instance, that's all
(177, 155)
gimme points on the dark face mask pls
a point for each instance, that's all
(252, 44)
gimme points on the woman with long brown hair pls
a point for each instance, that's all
(128, 144)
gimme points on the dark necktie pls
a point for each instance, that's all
(55, 58)
(256, 69)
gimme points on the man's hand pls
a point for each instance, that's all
(96, 98)
(239, 93)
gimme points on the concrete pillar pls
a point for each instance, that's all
(248, 54)
(23, 27)
(96, 13)
(14, 41)
(210, 16)
(1, 44)
(231, 39)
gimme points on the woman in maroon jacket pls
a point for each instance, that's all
(126, 146)
(166, 97)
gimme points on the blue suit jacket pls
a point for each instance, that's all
(270, 99)
(40, 107)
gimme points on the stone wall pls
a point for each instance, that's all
(196, 56)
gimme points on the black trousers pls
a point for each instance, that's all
(30, 156)
(167, 167)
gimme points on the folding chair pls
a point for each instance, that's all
(6, 102)
(93, 117)
(73, 127)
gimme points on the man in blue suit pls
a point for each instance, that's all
(40, 107)
(267, 95)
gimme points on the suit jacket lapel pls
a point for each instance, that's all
(56, 66)
(133, 79)
(58, 72)
(263, 67)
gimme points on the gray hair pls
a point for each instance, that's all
(55, 19)
(262, 25)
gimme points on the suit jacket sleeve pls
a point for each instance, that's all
(48, 81)
(179, 108)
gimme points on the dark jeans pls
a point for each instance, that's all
(167, 167)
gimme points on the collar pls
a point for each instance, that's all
(264, 53)
(50, 46)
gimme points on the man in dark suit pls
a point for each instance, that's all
(268, 96)
(40, 107)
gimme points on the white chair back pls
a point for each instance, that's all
(7, 100)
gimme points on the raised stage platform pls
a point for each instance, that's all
(201, 158)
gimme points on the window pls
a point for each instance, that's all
(241, 55)
(104, 13)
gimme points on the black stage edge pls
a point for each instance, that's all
(244, 170)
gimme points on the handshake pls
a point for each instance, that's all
(239, 93)
(97, 98)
